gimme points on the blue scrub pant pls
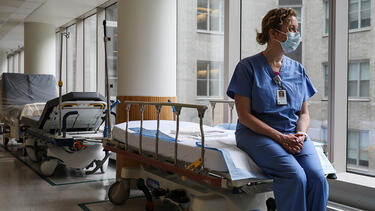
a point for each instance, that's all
(298, 180)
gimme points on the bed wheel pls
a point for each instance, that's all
(5, 141)
(31, 150)
(119, 191)
(48, 167)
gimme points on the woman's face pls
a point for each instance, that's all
(290, 25)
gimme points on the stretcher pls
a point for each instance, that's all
(20, 95)
(201, 163)
(80, 144)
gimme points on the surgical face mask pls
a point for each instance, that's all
(293, 39)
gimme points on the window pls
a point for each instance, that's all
(358, 143)
(210, 15)
(111, 17)
(359, 14)
(326, 17)
(359, 79)
(199, 52)
(297, 6)
(209, 79)
(89, 61)
(325, 73)
(71, 52)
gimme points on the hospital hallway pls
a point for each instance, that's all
(22, 188)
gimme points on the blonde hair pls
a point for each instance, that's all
(274, 19)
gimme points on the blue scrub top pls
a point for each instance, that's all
(252, 78)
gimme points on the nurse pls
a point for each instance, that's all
(271, 93)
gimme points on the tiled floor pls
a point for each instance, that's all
(21, 188)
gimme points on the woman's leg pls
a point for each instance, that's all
(317, 185)
(290, 181)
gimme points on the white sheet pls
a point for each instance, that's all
(221, 153)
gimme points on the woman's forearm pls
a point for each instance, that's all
(259, 126)
(303, 123)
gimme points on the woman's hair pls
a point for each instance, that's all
(274, 19)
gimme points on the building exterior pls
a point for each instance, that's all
(200, 69)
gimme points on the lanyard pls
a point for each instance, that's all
(277, 79)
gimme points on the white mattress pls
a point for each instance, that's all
(221, 152)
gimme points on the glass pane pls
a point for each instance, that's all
(71, 59)
(353, 14)
(15, 63)
(290, 2)
(326, 13)
(365, 13)
(202, 14)
(353, 71)
(22, 61)
(89, 28)
(111, 17)
(360, 111)
(196, 51)
(215, 14)
(325, 68)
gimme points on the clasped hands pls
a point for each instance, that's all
(292, 143)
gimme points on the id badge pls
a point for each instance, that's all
(281, 97)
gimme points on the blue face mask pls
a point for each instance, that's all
(293, 39)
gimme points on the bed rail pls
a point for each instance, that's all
(230, 104)
(158, 105)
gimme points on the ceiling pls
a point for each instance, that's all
(13, 14)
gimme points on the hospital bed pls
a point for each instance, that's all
(193, 166)
(79, 145)
(22, 94)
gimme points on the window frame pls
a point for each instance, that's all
(221, 18)
(358, 63)
(208, 79)
(359, 28)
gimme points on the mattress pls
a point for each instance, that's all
(221, 152)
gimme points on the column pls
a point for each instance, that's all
(40, 48)
(146, 57)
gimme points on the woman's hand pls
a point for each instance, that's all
(291, 143)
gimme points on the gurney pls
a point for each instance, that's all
(79, 145)
(207, 166)
(22, 94)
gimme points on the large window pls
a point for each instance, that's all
(71, 51)
(359, 14)
(361, 127)
(209, 79)
(200, 56)
(359, 79)
(111, 17)
(210, 15)
(89, 45)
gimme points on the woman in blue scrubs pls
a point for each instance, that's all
(271, 92)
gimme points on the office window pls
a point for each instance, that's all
(111, 17)
(359, 79)
(359, 14)
(209, 79)
(325, 73)
(210, 15)
(89, 61)
(326, 16)
(358, 143)
(71, 52)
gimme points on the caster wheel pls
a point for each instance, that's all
(30, 148)
(119, 192)
(5, 142)
(48, 167)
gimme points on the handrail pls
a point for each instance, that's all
(230, 104)
(158, 105)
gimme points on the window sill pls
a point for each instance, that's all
(353, 190)
(209, 98)
(351, 99)
(359, 30)
(210, 32)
